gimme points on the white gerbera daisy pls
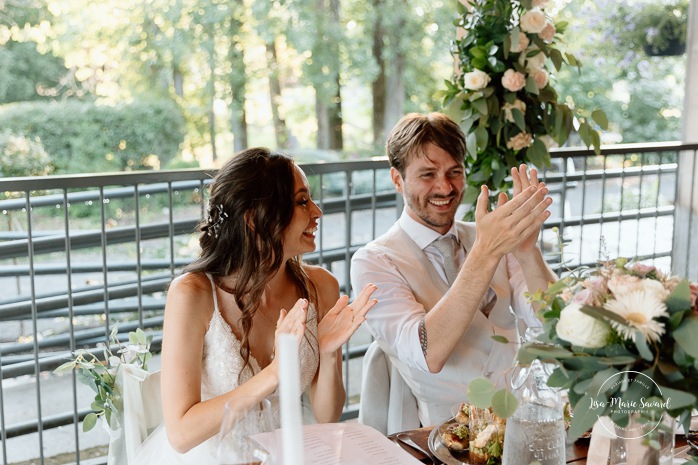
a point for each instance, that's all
(640, 309)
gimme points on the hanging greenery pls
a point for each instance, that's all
(502, 91)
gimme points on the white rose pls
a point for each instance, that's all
(518, 104)
(580, 329)
(476, 80)
(533, 21)
(654, 289)
(522, 45)
(532, 59)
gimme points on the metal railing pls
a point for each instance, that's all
(79, 254)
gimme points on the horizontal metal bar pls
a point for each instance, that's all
(61, 340)
(24, 308)
(94, 195)
(88, 239)
(612, 217)
(76, 268)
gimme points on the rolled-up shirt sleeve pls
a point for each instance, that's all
(395, 319)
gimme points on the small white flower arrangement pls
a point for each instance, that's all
(622, 317)
(101, 375)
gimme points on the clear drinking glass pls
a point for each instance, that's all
(243, 418)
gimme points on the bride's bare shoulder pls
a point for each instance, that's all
(191, 284)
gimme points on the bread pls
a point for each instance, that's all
(456, 437)
(462, 416)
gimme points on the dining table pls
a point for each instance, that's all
(576, 451)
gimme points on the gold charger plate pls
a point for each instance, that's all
(443, 453)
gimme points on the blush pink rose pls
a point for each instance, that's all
(522, 45)
(694, 298)
(513, 80)
(520, 141)
(548, 32)
(539, 3)
(541, 78)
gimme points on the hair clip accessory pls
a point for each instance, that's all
(215, 224)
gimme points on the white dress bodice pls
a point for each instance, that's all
(222, 371)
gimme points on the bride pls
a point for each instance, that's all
(224, 313)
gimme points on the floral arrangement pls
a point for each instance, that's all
(101, 375)
(502, 94)
(620, 320)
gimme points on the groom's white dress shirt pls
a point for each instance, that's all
(409, 273)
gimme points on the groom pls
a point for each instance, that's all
(445, 286)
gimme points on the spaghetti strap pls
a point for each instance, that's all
(213, 290)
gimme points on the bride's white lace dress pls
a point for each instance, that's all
(221, 365)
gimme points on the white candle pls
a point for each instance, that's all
(290, 400)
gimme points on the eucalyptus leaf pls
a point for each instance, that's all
(89, 422)
(680, 297)
(642, 347)
(583, 417)
(538, 153)
(518, 118)
(480, 392)
(504, 403)
(686, 336)
(481, 137)
(501, 339)
(602, 314)
(600, 118)
(678, 399)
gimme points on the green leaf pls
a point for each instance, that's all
(678, 399)
(531, 86)
(471, 145)
(545, 352)
(585, 133)
(602, 314)
(500, 338)
(600, 117)
(454, 108)
(556, 58)
(480, 392)
(504, 403)
(519, 119)
(680, 297)
(559, 378)
(89, 422)
(481, 106)
(481, 137)
(583, 416)
(686, 336)
(538, 154)
(65, 368)
(642, 347)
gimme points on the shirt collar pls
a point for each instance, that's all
(422, 235)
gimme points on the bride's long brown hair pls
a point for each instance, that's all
(251, 204)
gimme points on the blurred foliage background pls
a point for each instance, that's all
(115, 85)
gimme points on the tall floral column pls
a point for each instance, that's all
(502, 94)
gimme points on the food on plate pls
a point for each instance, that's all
(456, 437)
(486, 436)
(462, 414)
